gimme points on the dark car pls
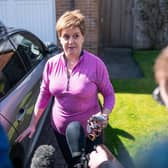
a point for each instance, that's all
(22, 59)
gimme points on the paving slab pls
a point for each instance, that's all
(120, 63)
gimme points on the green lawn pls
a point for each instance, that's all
(137, 120)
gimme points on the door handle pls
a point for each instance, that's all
(21, 114)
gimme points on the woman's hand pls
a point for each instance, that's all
(104, 121)
(32, 126)
(28, 132)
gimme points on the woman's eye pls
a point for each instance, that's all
(66, 37)
(75, 36)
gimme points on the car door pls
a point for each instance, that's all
(22, 63)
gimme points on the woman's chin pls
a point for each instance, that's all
(72, 53)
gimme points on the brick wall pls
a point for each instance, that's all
(90, 9)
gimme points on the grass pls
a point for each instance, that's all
(137, 121)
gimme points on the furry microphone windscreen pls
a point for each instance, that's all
(44, 156)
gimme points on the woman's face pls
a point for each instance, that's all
(72, 40)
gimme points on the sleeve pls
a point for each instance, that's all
(4, 150)
(107, 164)
(104, 85)
(44, 94)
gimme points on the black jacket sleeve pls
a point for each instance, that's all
(107, 164)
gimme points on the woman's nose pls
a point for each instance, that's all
(71, 39)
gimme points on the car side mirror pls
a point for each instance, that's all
(52, 48)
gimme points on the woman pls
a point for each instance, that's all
(74, 77)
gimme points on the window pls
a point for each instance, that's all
(17, 59)
(29, 48)
(11, 67)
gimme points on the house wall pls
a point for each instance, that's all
(90, 9)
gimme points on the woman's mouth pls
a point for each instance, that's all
(71, 48)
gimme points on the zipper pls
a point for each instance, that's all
(67, 71)
(68, 80)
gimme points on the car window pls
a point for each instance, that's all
(11, 69)
(17, 59)
(30, 50)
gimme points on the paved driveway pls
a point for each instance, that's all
(120, 63)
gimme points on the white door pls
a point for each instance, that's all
(37, 16)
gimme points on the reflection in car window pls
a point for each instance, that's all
(29, 52)
(16, 60)
(11, 67)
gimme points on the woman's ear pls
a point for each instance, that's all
(83, 39)
(60, 40)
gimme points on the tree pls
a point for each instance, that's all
(154, 16)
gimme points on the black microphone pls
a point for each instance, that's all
(75, 137)
(44, 156)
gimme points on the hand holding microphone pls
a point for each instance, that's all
(102, 157)
(96, 124)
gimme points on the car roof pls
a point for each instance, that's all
(7, 30)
